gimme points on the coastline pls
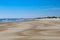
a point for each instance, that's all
(35, 29)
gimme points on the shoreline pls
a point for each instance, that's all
(31, 29)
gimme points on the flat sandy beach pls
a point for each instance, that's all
(37, 29)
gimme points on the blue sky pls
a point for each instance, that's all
(29, 8)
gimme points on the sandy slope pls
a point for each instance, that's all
(37, 29)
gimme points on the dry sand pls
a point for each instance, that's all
(37, 29)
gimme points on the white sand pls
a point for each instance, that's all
(38, 29)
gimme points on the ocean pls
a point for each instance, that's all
(13, 19)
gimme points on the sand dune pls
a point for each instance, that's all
(37, 29)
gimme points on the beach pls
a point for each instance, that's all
(35, 29)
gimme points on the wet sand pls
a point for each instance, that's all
(37, 29)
